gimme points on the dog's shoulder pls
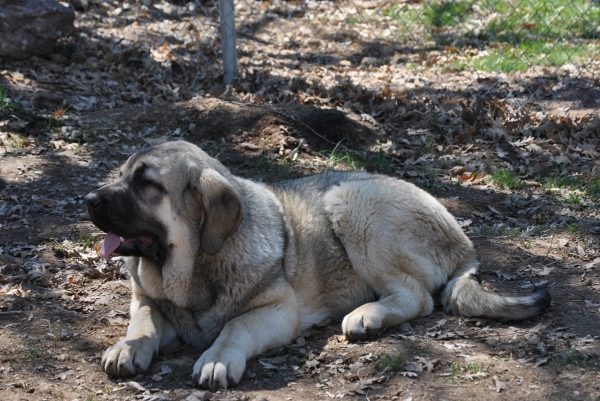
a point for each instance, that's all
(259, 241)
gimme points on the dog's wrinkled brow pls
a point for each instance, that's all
(146, 171)
(149, 172)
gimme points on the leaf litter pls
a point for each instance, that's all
(535, 230)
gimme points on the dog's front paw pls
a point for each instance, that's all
(362, 324)
(127, 358)
(220, 368)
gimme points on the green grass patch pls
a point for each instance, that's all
(475, 368)
(508, 179)
(523, 20)
(507, 59)
(593, 189)
(510, 35)
(16, 141)
(554, 181)
(262, 165)
(178, 373)
(352, 159)
(213, 148)
(511, 58)
(433, 187)
(591, 184)
(508, 21)
(379, 162)
(54, 122)
(292, 356)
(429, 180)
(86, 242)
(5, 101)
(388, 363)
(446, 13)
(36, 352)
(571, 359)
(404, 14)
(458, 370)
(574, 198)
(586, 185)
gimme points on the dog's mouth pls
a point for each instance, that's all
(137, 246)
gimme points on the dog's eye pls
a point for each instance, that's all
(143, 181)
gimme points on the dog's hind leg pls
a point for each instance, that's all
(369, 220)
(403, 299)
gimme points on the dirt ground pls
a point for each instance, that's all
(61, 305)
(521, 177)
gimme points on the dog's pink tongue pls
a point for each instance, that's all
(111, 242)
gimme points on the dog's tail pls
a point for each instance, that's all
(465, 296)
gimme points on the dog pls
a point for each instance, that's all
(238, 267)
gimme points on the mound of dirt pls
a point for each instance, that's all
(321, 128)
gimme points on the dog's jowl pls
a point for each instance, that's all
(237, 267)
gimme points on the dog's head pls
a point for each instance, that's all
(167, 196)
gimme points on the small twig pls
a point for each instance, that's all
(445, 385)
(11, 312)
(551, 263)
(414, 112)
(49, 326)
(550, 247)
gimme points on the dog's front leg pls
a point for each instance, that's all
(271, 321)
(148, 331)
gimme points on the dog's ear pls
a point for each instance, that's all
(223, 211)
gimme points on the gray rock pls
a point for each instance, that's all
(366, 61)
(200, 395)
(32, 27)
(405, 327)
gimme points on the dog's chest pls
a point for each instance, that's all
(194, 328)
(164, 284)
(186, 300)
(177, 285)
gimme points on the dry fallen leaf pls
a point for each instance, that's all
(498, 385)
(428, 363)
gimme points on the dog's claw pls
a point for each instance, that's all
(217, 369)
(127, 358)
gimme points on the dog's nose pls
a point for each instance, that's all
(93, 199)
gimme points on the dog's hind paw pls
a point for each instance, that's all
(219, 368)
(127, 358)
(362, 324)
